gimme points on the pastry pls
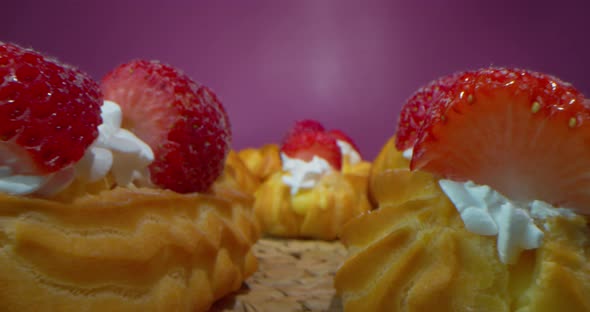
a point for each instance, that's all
(482, 201)
(311, 197)
(237, 174)
(262, 162)
(102, 206)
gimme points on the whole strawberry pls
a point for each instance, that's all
(182, 121)
(48, 109)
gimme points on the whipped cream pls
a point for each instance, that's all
(303, 174)
(15, 178)
(116, 150)
(346, 149)
(484, 211)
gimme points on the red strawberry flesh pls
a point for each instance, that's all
(50, 109)
(339, 135)
(305, 125)
(525, 134)
(306, 145)
(417, 108)
(183, 122)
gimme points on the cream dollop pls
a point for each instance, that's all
(346, 149)
(303, 174)
(485, 211)
(116, 150)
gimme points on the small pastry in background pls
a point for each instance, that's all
(311, 197)
(483, 201)
(262, 162)
(237, 174)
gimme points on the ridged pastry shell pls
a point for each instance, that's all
(414, 254)
(262, 162)
(319, 212)
(125, 250)
(237, 175)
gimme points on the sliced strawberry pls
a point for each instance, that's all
(305, 145)
(417, 107)
(305, 125)
(339, 135)
(523, 133)
(49, 109)
(182, 121)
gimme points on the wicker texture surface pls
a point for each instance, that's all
(293, 275)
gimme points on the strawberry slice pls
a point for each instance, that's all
(523, 133)
(339, 135)
(417, 109)
(306, 144)
(49, 111)
(183, 122)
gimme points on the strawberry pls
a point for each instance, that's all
(339, 135)
(305, 125)
(417, 107)
(523, 133)
(306, 144)
(183, 122)
(48, 109)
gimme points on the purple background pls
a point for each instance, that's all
(349, 64)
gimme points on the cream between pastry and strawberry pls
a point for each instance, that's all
(309, 152)
(322, 184)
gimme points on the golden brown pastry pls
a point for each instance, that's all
(317, 191)
(262, 162)
(124, 250)
(424, 248)
(319, 213)
(107, 194)
(236, 174)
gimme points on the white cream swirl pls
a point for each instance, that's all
(116, 150)
(348, 150)
(484, 211)
(16, 177)
(303, 174)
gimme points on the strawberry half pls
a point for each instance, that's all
(183, 122)
(305, 145)
(48, 109)
(523, 133)
(417, 108)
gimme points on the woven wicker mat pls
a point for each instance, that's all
(293, 275)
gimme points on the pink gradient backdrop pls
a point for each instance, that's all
(349, 64)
